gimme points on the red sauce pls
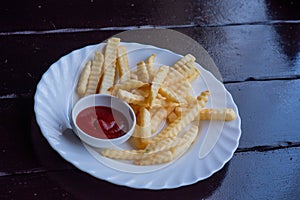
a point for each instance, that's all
(102, 122)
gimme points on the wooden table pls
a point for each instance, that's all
(255, 45)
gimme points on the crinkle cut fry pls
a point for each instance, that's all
(180, 70)
(190, 115)
(122, 154)
(144, 120)
(169, 94)
(163, 145)
(186, 69)
(122, 64)
(188, 139)
(172, 153)
(181, 87)
(157, 82)
(95, 74)
(129, 97)
(226, 114)
(175, 127)
(150, 66)
(163, 103)
(110, 58)
(203, 98)
(128, 86)
(83, 79)
(154, 156)
(142, 72)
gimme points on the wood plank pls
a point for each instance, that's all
(240, 52)
(20, 151)
(219, 12)
(251, 175)
(251, 51)
(31, 186)
(50, 15)
(16, 150)
(262, 175)
(269, 111)
(285, 10)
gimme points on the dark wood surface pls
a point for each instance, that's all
(255, 45)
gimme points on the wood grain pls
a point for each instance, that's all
(250, 175)
(241, 53)
(73, 15)
(269, 112)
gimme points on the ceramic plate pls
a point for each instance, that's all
(55, 97)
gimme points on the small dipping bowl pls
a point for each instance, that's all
(106, 101)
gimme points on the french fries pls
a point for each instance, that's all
(110, 56)
(83, 79)
(129, 97)
(174, 149)
(142, 72)
(175, 127)
(160, 97)
(156, 83)
(128, 86)
(142, 131)
(150, 66)
(225, 114)
(95, 74)
(122, 64)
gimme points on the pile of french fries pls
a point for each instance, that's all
(157, 95)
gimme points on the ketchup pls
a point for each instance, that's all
(102, 122)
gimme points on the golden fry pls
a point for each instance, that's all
(169, 94)
(122, 64)
(226, 114)
(142, 132)
(156, 158)
(181, 87)
(181, 70)
(173, 77)
(96, 71)
(203, 98)
(176, 148)
(129, 97)
(188, 138)
(163, 145)
(156, 83)
(174, 128)
(128, 85)
(83, 79)
(110, 56)
(142, 72)
(138, 143)
(122, 154)
(150, 66)
(144, 120)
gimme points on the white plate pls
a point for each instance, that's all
(54, 99)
